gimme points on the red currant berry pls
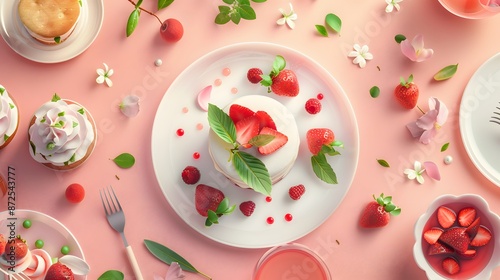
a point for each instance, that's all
(180, 132)
(75, 193)
(320, 96)
(288, 217)
(171, 30)
(270, 220)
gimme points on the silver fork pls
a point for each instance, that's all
(116, 219)
(496, 116)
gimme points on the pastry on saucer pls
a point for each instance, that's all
(9, 118)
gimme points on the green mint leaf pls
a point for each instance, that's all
(132, 22)
(222, 18)
(124, 160)
(61, 114)
(5, 137)
(259, 1)
(168, 256)
(229, 2)
(55, 98)
(164, 3)
(334, 22)
(243, 2)
(383, 163)
(246, 12)
(57, 40)
(261, 140)
(399, 38)
(445, 147)
(111, 275)
(224, 9)
(81, 111)
(252, 171)
(12, 106)
(322, 169)
(446, 73)
(33, 147)
(235, 18)
(138, 4)
(321, 30)
(2, 90)
(221, 124)
(374, 91)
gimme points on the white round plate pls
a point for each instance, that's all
(479, 106)
(52, 232)
(16, 36)
(172, 153)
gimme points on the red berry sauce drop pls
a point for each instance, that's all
(320, 96)
(270, 220)
(288, 217)
(196, 155)
(180, 132)
(269, 199)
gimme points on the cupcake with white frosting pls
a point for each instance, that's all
(9, 118)
(62, 134)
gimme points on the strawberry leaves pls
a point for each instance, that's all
(320, 165)
(386, 202)
(251, 170)
(223, 209)
(279, 64)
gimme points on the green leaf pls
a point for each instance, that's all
(212, 218)
(57, 40)
(224, 9)
(279, 64)
(322, 169)
(243, 2)
(261, 140)
(396, 212)
(222, 18)
(55, 98)
(138, 4)
(221, 124)
(235, 18)
(246, 12)
(259, 1)
(133, 19)
(252, 171)
(124, 160)
(229, 2)
(374, 91)
(334, 22)
(321, 30)
(446, 73)
(399, 38)
(223, 205)
(445, 147)
(164, 3)
(383, 162)
(390, 207)
(111, 275)
(168, 256)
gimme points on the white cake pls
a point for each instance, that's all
(280, 162)
(9, 118)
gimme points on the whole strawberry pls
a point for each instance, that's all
(406, 93)
(281, 81)
(59, 271)
(211, 203)
(16, 247)
(3, 242)
(378, 213)
(317, 137)
(321, 142)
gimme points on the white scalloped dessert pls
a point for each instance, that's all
(49, 21)
(279, 162)
(62, 134)
(9, 118)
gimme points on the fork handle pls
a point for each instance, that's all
(133, 262)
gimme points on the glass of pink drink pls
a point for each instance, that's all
(291, 261)
(472, 9)
(486, 258)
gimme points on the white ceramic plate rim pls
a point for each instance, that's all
(479, 99)
(180, 196)
(35, 217)
(16, 36)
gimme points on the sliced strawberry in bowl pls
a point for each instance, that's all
(246, 129)
(457, 238)
(482, 237)
(238, 112)
(466, 216)
(451, 266)
(469, 254)
(473, 227)
(278, 141)
(446, 217)
(432, 235)
(439, 248)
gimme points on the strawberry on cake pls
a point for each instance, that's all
(9, 118)
(266, 130)
(62, 134)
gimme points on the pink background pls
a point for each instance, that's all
(362, 254)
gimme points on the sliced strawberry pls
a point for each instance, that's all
(451, 266)
(265, 120)
(238, 112)
(473, 227)
(279, 141)
(446, 217)
(466, 216)
(456, 238)
(432, 235)
(246, 129)
(469, 254)
(439, 248)
(482, 237)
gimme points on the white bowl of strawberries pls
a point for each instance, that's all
(456, 238)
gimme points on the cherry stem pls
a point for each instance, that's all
(146, 11)
(420, 109)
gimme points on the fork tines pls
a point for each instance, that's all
(112, 204)
(496, 116)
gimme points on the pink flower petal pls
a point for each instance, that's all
(418, 42)
(427, 136)
(204, 97)
(424, 54)
(427, 121)
(408, 50)
(432, 170)
(414, 129)
(174, 272)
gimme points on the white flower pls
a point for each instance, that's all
(415, 173)
(130, 106)
(361, 55)
(104, 75)
(391, 4)
(287, 18)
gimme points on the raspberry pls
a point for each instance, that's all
(296, 192)
(247, 208)
(253, 75)
(190, 175)
(313, 106)
(75, 193)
